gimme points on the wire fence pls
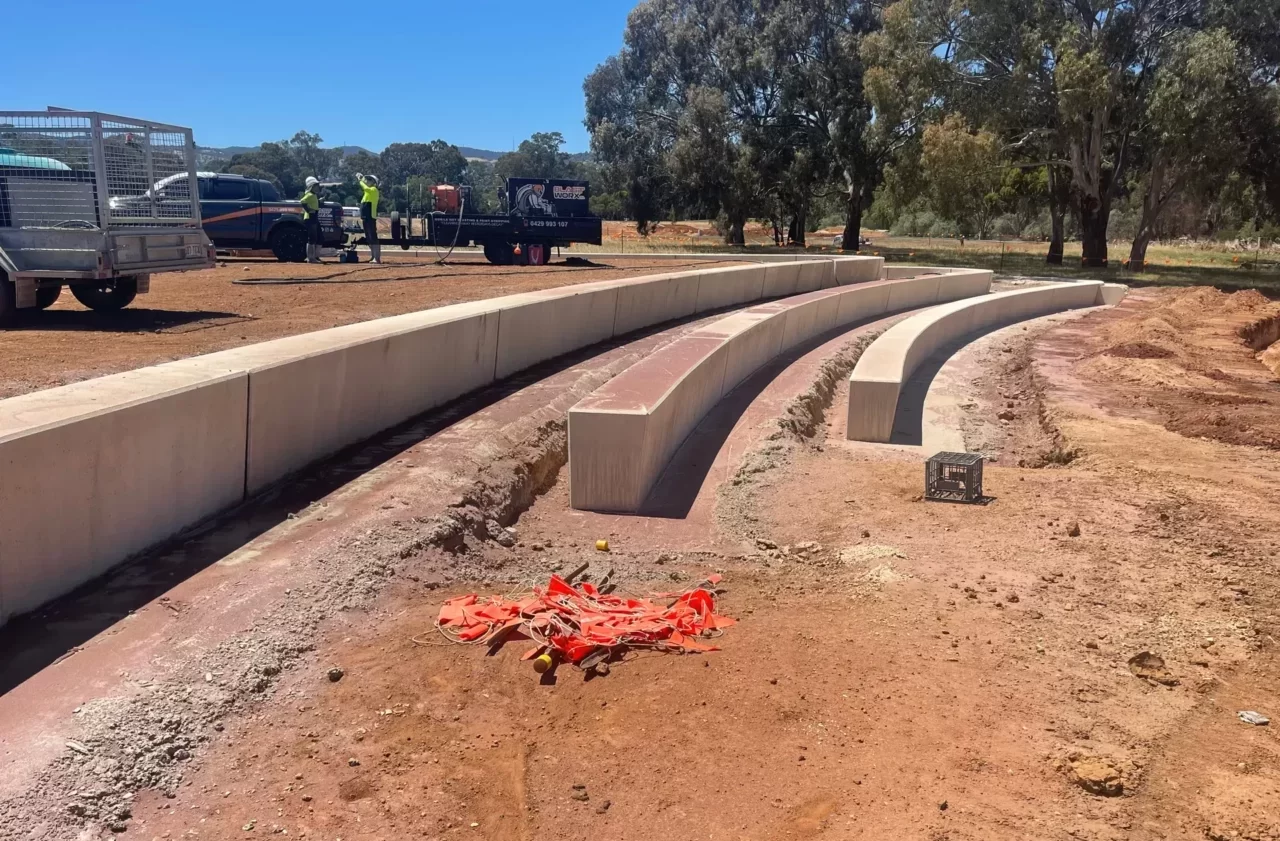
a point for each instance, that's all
(81, 169)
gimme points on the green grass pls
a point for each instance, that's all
(1167, 265)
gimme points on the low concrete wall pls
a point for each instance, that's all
(849, 269)
(94, 472)
(622, 436)
(890, 361)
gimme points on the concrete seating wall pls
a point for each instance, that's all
(623, 435)
(96, 471)
(852, 269)
(876, 382)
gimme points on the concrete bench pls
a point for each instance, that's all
(93, 472)
(622, 436)
(876, 382)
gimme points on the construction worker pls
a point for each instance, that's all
(369, 213)
(311, 218)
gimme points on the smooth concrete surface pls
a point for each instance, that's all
(876, 382)
(896, 272)
(557, 322)
(94, 472)
(622, 436)
(663, 298)
(741, 256)
(858, 270)
(312, 395)
(1113, 293)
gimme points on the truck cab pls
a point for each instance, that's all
(241, 213)
(248, 213)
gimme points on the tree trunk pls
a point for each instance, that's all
(1057, 221)
(1094, 219)
(799, 225)
(736, 235)
(853, 220)
(1138, 253)
(1057, 217)
(1153, 202)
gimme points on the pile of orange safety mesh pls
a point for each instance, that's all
(574, 622)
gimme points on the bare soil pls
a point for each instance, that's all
(245, 301)
(1191, 360)
(902, 669)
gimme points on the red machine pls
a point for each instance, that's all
(448, 198)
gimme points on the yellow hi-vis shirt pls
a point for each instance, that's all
(370, 197)
(310, 204)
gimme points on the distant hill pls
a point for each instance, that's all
(473, 154)
(208, 154)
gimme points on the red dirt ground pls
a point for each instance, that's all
(247, 301)
(901, 670)
(925, 671)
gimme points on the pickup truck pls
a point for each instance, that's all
(245, 213)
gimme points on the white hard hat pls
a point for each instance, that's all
(372, 178)
(312, 181)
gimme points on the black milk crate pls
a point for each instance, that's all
(953, 477)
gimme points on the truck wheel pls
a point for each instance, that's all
(289, 244)
(499, 253)
(8, 307)
(106, 297)
(46, 296)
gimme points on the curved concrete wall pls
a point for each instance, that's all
(890, 361)
(623, 435)
(93, 472)
(850, 269)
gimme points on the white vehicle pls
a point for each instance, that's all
(62, 222)
(351, 219)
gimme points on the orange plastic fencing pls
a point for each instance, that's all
(576, 621)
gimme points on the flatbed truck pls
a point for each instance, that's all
(542, 214)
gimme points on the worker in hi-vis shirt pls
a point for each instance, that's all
(369, 213)
(311, 218)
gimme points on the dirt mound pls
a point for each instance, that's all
(1193, 357)
(1138, 350)
(1250, 426)
(1271, 358)
(1261, 334)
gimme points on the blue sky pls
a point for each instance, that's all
(480, 73)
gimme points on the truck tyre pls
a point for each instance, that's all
(106, 297)
(289, 244)
(8, 306)
(47, 296)
(499, 253)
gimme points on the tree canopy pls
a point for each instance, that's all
(1035, 117)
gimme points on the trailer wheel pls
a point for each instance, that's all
(499, 253)
(47, 296)
(107, 297)
(8, 306)
(289, 244)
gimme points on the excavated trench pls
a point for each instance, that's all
(1263, 337)
(489, 456)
